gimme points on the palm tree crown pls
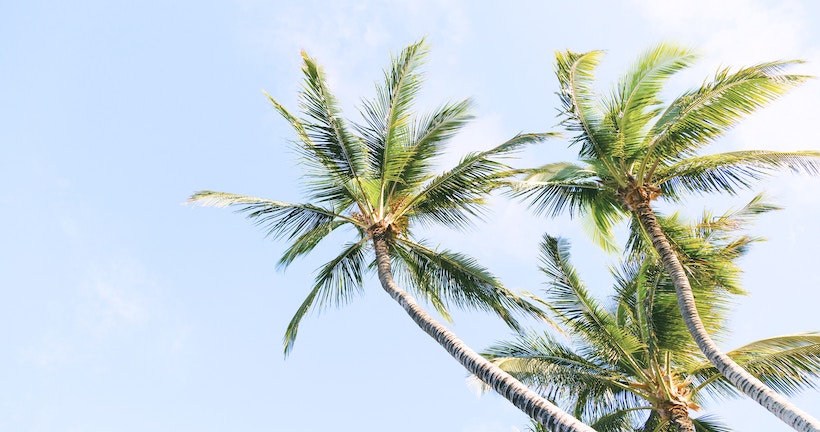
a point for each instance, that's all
(377, 178)
(633, 366)
(635, 150)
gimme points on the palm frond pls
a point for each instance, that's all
(604, 213)
(580, 110)
(388, 126)
(557, 187)
(787, 364)
(708, 249)
(427, 137)
(649, 312)
(408, 273)
(293, 326)
(457, 279)
(725, 172)
(306, 242)
(588, 384)
(622, 420)
(342, 154)
(335, 284)
(697, 117)
(279, 219)
(452, 198)
(320, 167)
(637, 99)
(578, 190)
(709, 423)
(572, 303)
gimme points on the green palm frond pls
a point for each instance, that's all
(719, 227)
(604, 213)
(388, 120)
(697, 117)
(409, 272)
(457, 279)
(326, 128)
(557, 187)
(554, 369)
(622, 420)
(289, 339)
(647, 309)
(427, 137)
(341, 277)
(709, 235)
(327, 183)
(709, 423)
(569, 299)
(724, 172)
(335, 284)
(787, 364)
(306, 242)
(279, 219)
(452, 198)
(637, 98)
(591, 386)
(708, 250)
(580, 108)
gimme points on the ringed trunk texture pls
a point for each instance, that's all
(679, 417)
(739, 377)
(538, 408)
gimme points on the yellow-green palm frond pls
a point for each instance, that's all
(560, 187)
(578, 310)
(699, 116)
(428, 135)
(726, 172)
(581, 111)
(636, 101)
(559, 372)
(787, 364)
(388, 126)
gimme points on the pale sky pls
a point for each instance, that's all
(126, 311)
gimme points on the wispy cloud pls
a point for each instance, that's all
(735, 31)
(116, 296)
(347, 36)
(112, 298)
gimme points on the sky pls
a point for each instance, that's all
(125, 310)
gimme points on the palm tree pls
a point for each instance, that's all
(377, 177)
(634, 150)
(637, 357)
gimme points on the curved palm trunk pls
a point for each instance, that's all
(739, 377)
(520, 395)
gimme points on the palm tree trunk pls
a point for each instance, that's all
(678, 414)
(739, 377)
(520, 395)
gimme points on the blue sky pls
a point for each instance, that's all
(125, 311)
